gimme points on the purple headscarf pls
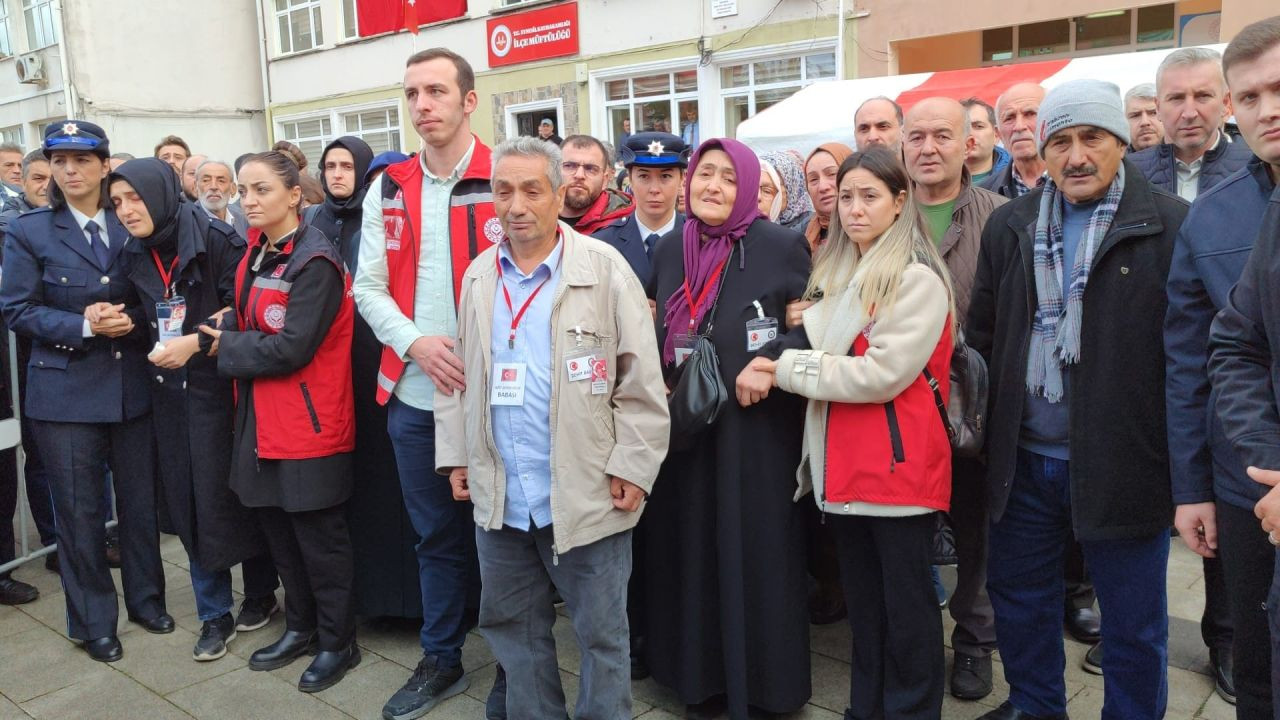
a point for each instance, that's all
(702, 259)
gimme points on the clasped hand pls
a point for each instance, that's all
(755, 381)
(108, 320)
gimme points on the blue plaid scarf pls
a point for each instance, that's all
(1055, 331)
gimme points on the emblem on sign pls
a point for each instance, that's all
(500, 41)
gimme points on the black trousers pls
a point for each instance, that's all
(1216, 627)
(312, 552)
(1247, 561)
(898, 665)
(74, 454)
(975, 631)
(1075, 577)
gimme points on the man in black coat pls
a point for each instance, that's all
(1191, 98)
(1076, 437)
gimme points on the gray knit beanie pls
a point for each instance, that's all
(1082, 102)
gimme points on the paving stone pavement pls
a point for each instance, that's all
(43, 675)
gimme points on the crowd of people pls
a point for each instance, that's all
(704, 404)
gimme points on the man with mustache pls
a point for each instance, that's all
(937, 140)
(1192, 100)
(1016, 113)
(1068, 308)
(588, 205)
(1145, 128)
(214, 187)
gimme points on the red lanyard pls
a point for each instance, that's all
(167, 277)
(695, 304)
(516, 316)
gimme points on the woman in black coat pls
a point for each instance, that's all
(726, 585)
(187, 272)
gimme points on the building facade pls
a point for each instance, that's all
(141, 69)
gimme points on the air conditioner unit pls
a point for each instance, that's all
(30, 69)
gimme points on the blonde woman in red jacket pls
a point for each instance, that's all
(875, 452)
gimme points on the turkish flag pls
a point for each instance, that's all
(381, 16)
(508, 374)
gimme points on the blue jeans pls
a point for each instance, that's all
(517, 612)
(213, 589)
(1024, 580)
(446, 546)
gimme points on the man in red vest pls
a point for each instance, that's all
(424, 222)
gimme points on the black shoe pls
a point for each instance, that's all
(328, 668)
(1083, 625)
(161, 624)
(16, 592)
(214, 637)
(827, 607)
(105, 649)
(112, 548)
(51, 563)
(495, 707)
(708, 709)
(429, 685)
(1093, 660)
(970, 676)
(1224, 674)
(639, 668)
(256, 612)
(292, 645)
(1008, 712)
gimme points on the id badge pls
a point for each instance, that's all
(577, 363)
(509, 372)
(684, 345)
(170, 314)
(599, 375)
(761, 331)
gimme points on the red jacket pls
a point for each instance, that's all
(896, 453)
(310, 412)
(610, 206)
(473, 227)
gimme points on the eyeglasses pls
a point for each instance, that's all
(571, 168)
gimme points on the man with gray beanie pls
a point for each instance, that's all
(1076, 435)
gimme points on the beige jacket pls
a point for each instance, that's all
(623, 433)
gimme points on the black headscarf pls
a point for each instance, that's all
(161, 191)
(363, 156)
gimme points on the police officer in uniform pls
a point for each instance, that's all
(656, 162)
(65, 286)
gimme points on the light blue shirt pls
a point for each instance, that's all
(523, 433)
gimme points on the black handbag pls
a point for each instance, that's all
(964, 415)
(944, 541)
(698, 393)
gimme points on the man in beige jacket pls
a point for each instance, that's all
(556, 438)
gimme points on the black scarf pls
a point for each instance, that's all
(176, 223)
(363, 156)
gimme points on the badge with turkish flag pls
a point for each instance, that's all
(380, 16)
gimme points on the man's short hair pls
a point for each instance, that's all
(1145, 91)
(973, 102)
(524, 146)
(223, 163)
(466, 76)
(1252, 42)
(122, 156)
(172, 140)
(34, 156)
(12, 148)
(897, 109)
(587, 141)
(1186, 57)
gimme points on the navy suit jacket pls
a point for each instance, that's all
(50, 276)
(624, 235)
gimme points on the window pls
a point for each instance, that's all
(12, 135)
(299, 22)
(350, 21)
(379, 127)
(751, 87)
(41, 31)
(6, 47)
(310, 135)
(663, 102)
(1102, 32)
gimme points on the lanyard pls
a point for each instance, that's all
(166, 277)
(516, 316)
(695, 304)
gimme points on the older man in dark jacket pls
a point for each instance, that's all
(1077, 433)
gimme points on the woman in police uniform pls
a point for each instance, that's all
(65, 286)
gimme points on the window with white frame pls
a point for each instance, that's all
(12, 135)
(350, 20)
(299, 24)
(749, 87)
(41, 32)
(378, 126)
(6, 45)
(662, 102)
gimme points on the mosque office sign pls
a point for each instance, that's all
(533, 35)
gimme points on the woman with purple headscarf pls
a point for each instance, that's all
(726, 587)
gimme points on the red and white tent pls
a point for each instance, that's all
(823, 112)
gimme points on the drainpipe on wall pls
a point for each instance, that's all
(64, 62)
(262, 63)
(840, 40)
